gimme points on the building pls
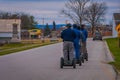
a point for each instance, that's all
(10, 30)
(116, 21)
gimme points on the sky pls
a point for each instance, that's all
(50, 9)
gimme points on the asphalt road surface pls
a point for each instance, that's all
(43, 63)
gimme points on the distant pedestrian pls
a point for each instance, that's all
(68, 36)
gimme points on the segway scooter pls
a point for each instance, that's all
(82, 56)
(68, 62)
(79, 61)
(86, 56)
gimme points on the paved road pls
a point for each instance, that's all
(43, 64)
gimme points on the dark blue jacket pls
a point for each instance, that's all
(68, 35)
(77, 39)
(85, 33)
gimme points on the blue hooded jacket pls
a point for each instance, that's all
(79, 34)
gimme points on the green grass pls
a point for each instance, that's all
(113, 44)
(12, 48)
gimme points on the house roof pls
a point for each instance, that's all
(116, 18)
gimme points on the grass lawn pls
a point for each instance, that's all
(25, 45)
(115, 50)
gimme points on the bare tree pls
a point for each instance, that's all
(95, 13)
(74, 9)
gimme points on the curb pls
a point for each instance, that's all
(111, 59)
(118, 76)
(117, 73)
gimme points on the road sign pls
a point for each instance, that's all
(118, 28)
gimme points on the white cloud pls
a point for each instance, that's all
(38, 9)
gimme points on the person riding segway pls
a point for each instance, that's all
(84, 43)
(68, 36)
(77, 45)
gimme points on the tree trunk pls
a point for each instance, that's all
(80, 21)
(93, 29)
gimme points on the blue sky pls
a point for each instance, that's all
(49, 9)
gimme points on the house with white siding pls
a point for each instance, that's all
(116, 21)
(8, 31)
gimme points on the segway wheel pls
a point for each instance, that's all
(80, 62)
(74, 63)
(82, 58)
(61, 62)
(86, 56)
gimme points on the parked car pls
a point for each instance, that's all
(97, 35)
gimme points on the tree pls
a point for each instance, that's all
(4, 15)
(95, 13)
(54, 25)
(33, 23)
(75, 10)
(47, 30)
(27, 21)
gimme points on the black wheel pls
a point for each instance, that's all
(61, 62)
(82, 58)
(74, 63)
(86, 56)
(80, 62)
